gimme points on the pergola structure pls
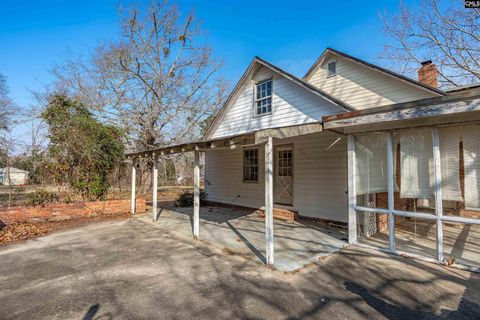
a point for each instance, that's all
(262, 137)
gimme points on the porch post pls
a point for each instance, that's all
(269, 201)
(391, 204)
(438, 192)
(196, 195)
(134, 176)
(352, 194)
(154, 188)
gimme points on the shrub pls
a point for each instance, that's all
(185, 199)
(67, 199)
(84, 150)
(42, 197)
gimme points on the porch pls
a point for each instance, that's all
(255, 169)
(241, 231)
(414, 173)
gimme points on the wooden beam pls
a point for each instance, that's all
(466, 97)
(134, 176)
(154, 188)
(444, 110)
(269, 201)
(287, 132)
(196, 195)
(438, 192)
(390, 188)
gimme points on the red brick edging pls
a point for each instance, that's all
(64, 211)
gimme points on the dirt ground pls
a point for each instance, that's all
(133, 270)
(31, 230)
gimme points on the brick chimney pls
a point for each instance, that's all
(427, 74)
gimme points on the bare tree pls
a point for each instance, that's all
(157, 81)
(6, 108)
(8, 147)
(442, 31)
(35, 148)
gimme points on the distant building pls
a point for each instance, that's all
(14, 176)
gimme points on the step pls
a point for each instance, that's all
(281, 214)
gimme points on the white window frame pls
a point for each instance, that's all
(244, 166)
(256, 100)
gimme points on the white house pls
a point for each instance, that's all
(13, 176)
(282, 142)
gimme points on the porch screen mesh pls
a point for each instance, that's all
(371, 163)
(416, 164)
(450, 138)
(471, 155)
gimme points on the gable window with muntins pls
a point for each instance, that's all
(250, 165)
(263, 98)
(332, 68)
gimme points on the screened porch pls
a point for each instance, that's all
(414, 178)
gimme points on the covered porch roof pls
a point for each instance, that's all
(443, 110)
(243, 139)
(264, 137)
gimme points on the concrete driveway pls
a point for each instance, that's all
(138, 270)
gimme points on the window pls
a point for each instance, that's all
(263, 98)
(332, 68)
(285, 163)
(250, 165)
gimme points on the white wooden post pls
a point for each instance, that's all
(438, 192)
(391, 203)
(269, 201)
(154, 188)
(134, 176)
(196, 195)
(352, 194)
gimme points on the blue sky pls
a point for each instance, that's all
(291, 34)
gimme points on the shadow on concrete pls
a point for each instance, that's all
(214, 216)
(92, 314)
(92, 311)
(400, 312)
(247, 243)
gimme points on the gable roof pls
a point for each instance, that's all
(257, 60)
(373, 67)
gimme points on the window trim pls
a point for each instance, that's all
(243, 164)
(328, 70)
(255, 100)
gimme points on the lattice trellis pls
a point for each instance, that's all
(369, 224)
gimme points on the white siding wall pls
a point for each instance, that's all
(320, 177)
(291, 105)
(16, 178)
(362, 87)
